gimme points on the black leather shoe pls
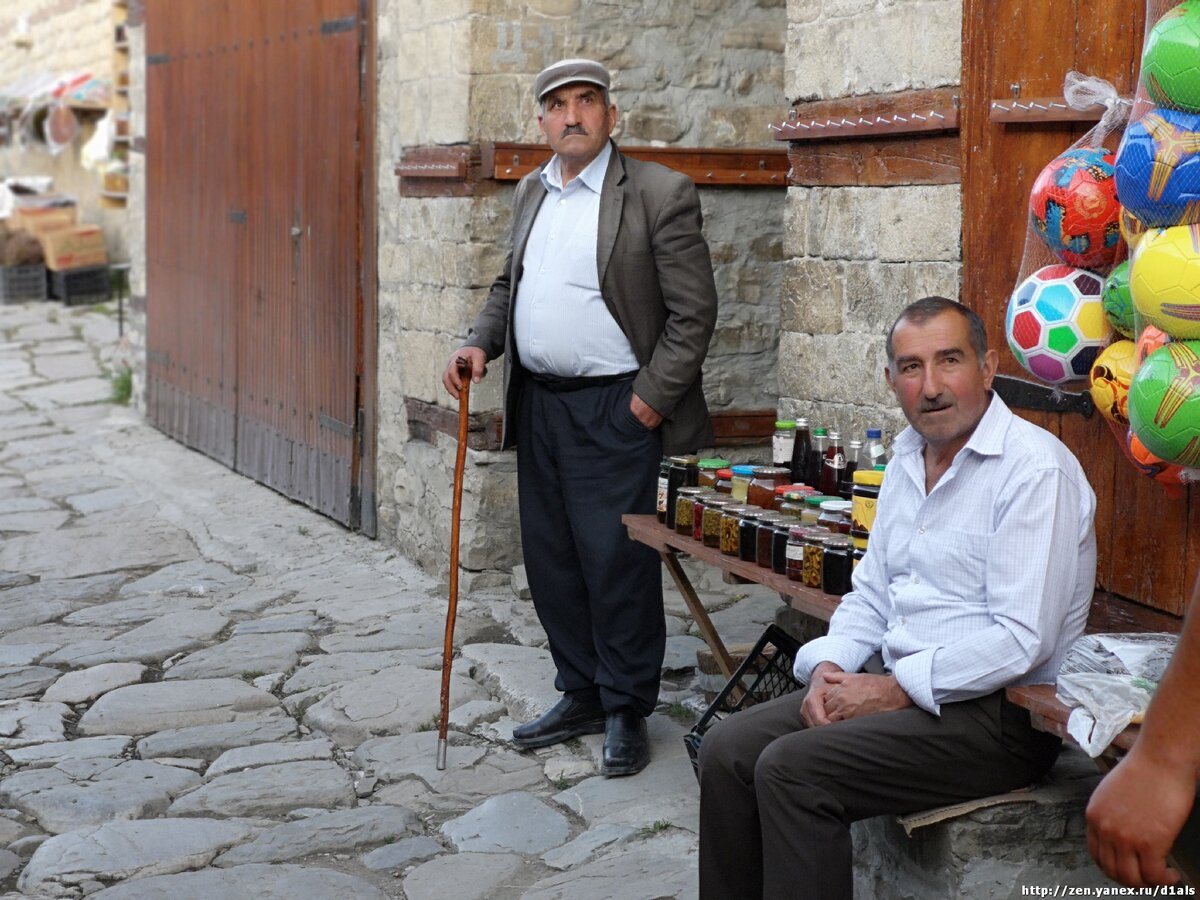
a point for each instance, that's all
(626, 744)
(566, 719)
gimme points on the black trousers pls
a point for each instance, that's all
(777, 799)
(583, 460)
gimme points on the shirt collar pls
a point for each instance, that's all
(592, 176)
(987, 439)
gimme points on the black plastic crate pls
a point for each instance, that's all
(77, 287)
(19, 283)
(763, 675)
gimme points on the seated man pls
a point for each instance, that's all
(979, 574)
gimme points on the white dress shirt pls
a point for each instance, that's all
(561, 324)
(983, 583)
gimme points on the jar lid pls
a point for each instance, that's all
(868, 477)
(753, 512)
(743, 470)
(737, 509)
(879, 467)
(717, 500)
(682, 460)
(837, 541)
(796, 531)
(770, 517)
(785, 423)
(837, 506)
(724, 473)
(690, 491)
(771, 471)
(713, 463)
(815, 500)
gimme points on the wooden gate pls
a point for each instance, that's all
(1147, 542)
(260, 241)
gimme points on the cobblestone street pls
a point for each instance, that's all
(207, 690)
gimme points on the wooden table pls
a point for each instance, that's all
(669, 544)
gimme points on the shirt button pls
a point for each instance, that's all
(916, 580)
(921, 530)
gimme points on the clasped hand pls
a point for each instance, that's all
(834, 695)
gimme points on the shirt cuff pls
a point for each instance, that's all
(915, 675)
(847, 655)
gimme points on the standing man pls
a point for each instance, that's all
(603, 313)
(979, 575)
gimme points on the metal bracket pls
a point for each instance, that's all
(1022, 394)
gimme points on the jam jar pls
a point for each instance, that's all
(814, 555)
(865, 501)
(708, 469)
(682, 473)
(748, 534)
(761, 490)
(742, 476)
(685, 501)
(724, 483)
(835, 515)
(792, 505)
(764, 535)
(698, 512)
(812, 508)
(713, 509)
(837, 562)
(795, 553)
(779, 544)
(731, 518)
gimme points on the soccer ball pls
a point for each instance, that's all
(1073, 208)
(1164, 403)
(1158, 168)
(1131, 228)
(1171, 64)
(1151, 466)
(1148, 341)
(1110, 378)
(1165, 280)
(1055, 323)
(1118, 304)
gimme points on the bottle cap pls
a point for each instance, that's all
(785, 423)
(874, 433)
(819, 431)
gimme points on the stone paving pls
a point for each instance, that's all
(208, 691)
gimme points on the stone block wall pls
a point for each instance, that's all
(64, 37)
(855, 256)
(699, 73)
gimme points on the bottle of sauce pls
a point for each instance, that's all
(783, 443)
(853, 453)
(832, 466)
(801, 447)
(816, 459)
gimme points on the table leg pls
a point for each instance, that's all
(699, 613)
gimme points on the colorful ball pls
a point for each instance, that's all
(1110, 377)
(1151, 466)
(1074, 210)
(1171, 63)
(1132, 228)
(1118, 303)
(1164, 403)
(1158, 168)
(1150, 340)
(1164, 279)
(1056, 325)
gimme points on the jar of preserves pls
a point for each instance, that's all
(742, 476)
(866, 497)
(779, 544)
(724, 483)
(698, 512)
(748, 533)
(707, 471)
(837, 562)
(763, 481)
(783, 442)
(792, 505)
(814, 554)
(685, 502)
(764, 537)
(731, 518)
(812, 508)
(835, 515)
(795, 553)
(713, 509)
(682, 473)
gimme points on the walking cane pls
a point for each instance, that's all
(460, 459)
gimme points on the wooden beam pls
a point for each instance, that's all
(935, 159)
(873, 116)
(450, 171)
(1042, 109)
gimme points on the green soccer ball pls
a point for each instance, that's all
(1164, 403)
(1171, 64)
(1118, 302)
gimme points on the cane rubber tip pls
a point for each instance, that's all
(441, 755)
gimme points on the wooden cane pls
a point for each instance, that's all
(460, 459)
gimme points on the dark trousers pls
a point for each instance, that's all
(583, 460)
(777, 799)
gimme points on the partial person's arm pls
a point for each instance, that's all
(1136, 813)
(685, 277)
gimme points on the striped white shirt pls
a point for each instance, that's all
(983, 583)
(561, 324)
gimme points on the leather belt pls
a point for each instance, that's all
(559, 384)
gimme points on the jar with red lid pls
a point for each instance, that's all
(724, 483)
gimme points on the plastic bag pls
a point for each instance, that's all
(1109, 679)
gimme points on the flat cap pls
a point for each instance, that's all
(568, 71)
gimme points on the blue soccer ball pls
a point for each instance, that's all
(1158, 168)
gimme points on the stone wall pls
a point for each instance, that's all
(64, 37)
(855, 256)
(688, 73)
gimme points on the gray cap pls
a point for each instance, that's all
(569, 71)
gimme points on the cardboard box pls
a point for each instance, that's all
(74, 248)
(37, 219)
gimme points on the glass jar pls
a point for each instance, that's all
(837, 562)
(859, 553)
(748, 534)
(663, 475)
(783, 442)
(682, 472)
(725, 481)
(812, 508)
(764, 536)
(795, 553)
(814, 554)
(731, 517)
(713, 508)
(764, 479)
(792, 505)
(704, 496)
(864, 503)
(835, 515)
(708, 469)
(742, 475)
(685, 502)
(779, 545)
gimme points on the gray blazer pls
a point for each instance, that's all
(656, 279)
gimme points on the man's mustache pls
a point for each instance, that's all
(931, 405)
(574, 129)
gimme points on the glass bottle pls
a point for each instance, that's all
(783, 442)
(874, 453)
(846, 486)
(832, 465)
(801, 447)
(663, 468)
(816, 458)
